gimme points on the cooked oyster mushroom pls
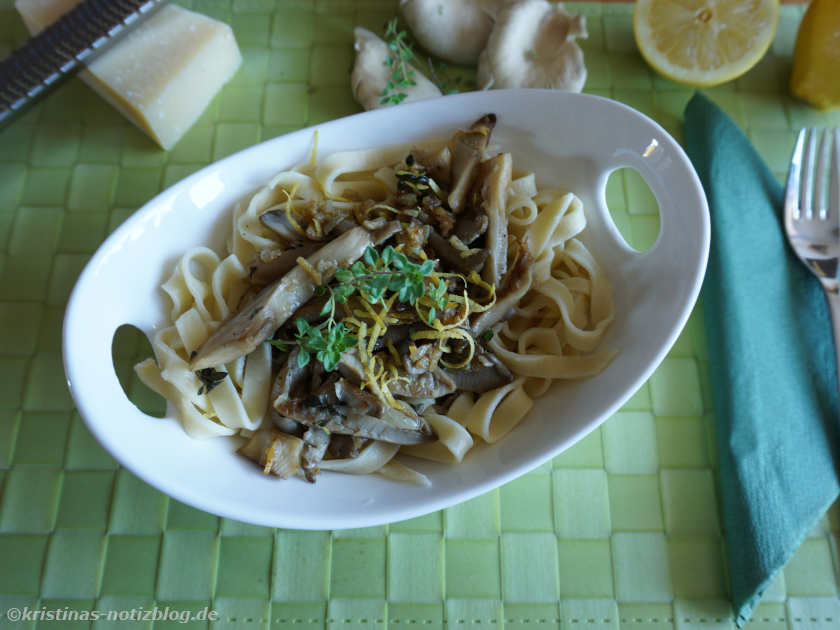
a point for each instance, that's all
(351, 412)
(486, 372)
(269, 265)
(470, 225)
(316, 441)
(493, 183)
(467, 152)
(255, 322)
(346, 446)
(276, 452)
(453, 258)
(516, 285)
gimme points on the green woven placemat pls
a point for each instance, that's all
(621, 531)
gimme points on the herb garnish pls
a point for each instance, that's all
(371, 277)
(210, 378)
(391, 271)
(402, 76)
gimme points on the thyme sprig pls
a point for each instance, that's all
(392, 271)
(398, 60)
(371, 277)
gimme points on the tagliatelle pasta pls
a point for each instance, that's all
(406, 301)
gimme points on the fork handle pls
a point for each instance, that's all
(833, 297)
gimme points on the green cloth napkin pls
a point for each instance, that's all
(771, 356)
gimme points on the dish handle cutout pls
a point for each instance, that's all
(658, 183)
(633, 208)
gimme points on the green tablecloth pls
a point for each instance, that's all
(621, 531)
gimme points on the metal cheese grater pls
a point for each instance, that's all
(60, 50)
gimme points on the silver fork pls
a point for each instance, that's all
(812, 208)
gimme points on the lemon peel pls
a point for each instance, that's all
(816, 56)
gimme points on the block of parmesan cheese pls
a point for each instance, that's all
(161, 75)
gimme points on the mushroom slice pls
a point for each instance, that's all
(394, 426)
(351, 368)
(532, 45)
(309, 312)
(371, 73)
(346, 446)
(456, 30)
(256, 321)
(278, 221)
(358, 399)
(470, 225)
(517, 284)
(467, 152)
(288, 379)
(485, 373)
(453, 258)
(271, 264)
(277, 453)
(496, 175)
(316, 441)
(438, 164)
(382, 234)
(432, 384)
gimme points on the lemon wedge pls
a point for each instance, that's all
(704, 42)
(816, 57)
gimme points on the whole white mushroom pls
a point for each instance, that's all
(532, 44)
(454, 30)
(370, 73)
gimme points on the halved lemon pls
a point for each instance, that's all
(704, 42)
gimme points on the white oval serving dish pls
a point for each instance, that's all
(571, 141)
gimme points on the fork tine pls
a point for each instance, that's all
(807, 204)
(794, 175)
(834, 176)
(819, 185)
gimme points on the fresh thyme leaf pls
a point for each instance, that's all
(282, 346)
(487, 335)
(328, 306)
(387, 253)
(372, 277)
(402, 75)
(210, 378)
(369, 256)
